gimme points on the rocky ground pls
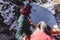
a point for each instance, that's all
(9, 13)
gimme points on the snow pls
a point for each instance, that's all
(49, 6)
(6, 10)
(39, 13)
(1, 1)
(43, 12)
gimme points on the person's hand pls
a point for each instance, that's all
(31, 23)
(26, 38)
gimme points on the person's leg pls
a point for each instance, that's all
(19, 33)
(55, 29)
(44, 27)
(41, 25)
(26, 38)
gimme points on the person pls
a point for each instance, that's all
(42, 32)
(24, 23)
(43, 14)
